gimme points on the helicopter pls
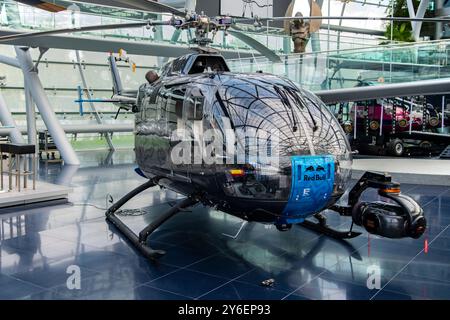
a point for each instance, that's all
(257, 116)
(252, 145)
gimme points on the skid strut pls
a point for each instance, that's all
(140, 241)
(322, 227)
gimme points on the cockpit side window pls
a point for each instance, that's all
(177, 65)
(165, 69)
(149, 109)
(193, 106)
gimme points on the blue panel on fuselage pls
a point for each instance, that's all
(311, 189)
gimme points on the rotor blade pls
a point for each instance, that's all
(83, 29)
(445, 20)
(258, 46)
(144, 5)
(263, 30)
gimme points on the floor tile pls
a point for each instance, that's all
(13, 288)
(38, 245)
(187, 283)
(241, 291)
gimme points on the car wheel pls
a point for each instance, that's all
(425, 144)
(434, 122)
(396, 148)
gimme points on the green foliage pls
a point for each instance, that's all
(402, 30)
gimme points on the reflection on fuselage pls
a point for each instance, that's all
(270, 119)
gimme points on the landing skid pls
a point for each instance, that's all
(140, 241)
(322, 228)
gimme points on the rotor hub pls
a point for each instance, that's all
(203, 26)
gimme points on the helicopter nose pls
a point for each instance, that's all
(311, 188)
(301, 189)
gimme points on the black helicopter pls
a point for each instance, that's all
(262, 115)
(252, 145)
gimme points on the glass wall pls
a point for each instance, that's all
(348, 68)
(342, 59)
(60, 77)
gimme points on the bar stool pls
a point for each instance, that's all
(17, 150)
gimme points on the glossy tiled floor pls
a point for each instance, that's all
(37, 246)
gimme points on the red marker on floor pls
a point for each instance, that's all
(425, 248)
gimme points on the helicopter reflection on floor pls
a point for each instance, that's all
(37, 247)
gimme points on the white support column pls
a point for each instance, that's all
(5, 115)
(31, 116)
(417, 25)
(7, 120)
(44, 106)
(411, 11)
(9, 61)
(438, 6)
(31, 126)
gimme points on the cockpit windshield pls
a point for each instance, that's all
(273, 123)
(305, 126)
(208, 63)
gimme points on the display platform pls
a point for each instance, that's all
(404, 170)
(203, 263)
(45, 194)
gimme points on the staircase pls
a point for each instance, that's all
(445, 154)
